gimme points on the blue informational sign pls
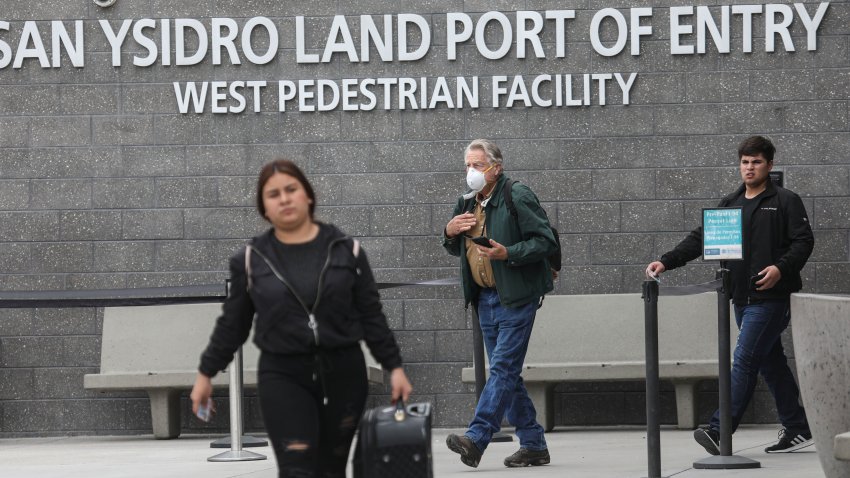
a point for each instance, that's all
(722, 234)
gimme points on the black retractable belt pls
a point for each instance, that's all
(190, 294)
(691, 289)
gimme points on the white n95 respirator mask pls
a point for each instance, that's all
(475, 179)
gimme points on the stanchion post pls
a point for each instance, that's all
(236, 386)
(236, 452)
(477, 354)
(726, 460)
(247, 440)
(653, 427)
(724, 378)
(478, 367)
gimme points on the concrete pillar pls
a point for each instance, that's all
(821, 332)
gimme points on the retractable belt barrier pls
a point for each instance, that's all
(651, 292)
(692, 289)
(189, 294)
(213, 293)
(192, 294)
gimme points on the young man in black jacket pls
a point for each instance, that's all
(777, 243)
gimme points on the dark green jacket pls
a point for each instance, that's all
(525, 276)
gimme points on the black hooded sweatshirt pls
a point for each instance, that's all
(347, 306)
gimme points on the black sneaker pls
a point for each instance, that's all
(470, 455)
(526, 457)
(709, 438)
(791, 440)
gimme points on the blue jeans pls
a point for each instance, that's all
(506, 333)
(759, 350)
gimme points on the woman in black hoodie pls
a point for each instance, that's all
(314, 297)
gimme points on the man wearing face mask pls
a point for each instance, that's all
(504, 277)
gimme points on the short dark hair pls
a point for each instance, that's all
(289, 168)
(755, 145)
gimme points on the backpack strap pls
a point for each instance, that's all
(466, 205)
(507, 194)
(248, 266)
(355, 250)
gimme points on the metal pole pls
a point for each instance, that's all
(726, 460)
(247, 440)
(236, 452)
(724, 379)
(477, 354)
(478, 365)
(653, 426)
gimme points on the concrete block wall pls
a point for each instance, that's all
(104, 184)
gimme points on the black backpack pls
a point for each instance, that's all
(554, 258)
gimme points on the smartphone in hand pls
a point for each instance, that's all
(482, 241)
(205, 411)
(755, 279)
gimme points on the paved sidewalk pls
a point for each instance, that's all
(576, 453)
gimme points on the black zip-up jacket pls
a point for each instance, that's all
(778, 233)
(347, 308)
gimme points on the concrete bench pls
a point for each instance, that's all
(842, 446)
(157, 348)
(601, 338)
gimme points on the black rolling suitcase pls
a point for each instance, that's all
(395, 442)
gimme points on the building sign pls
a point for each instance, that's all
(722, 233)
(404, 38)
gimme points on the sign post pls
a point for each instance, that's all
(723, 240)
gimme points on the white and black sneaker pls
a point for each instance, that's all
(709, 438)
(791, 440)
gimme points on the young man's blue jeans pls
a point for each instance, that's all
(759, 350)
(506, 333)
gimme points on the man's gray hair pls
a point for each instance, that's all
(493, 153)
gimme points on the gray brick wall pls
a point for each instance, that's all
(104, 184)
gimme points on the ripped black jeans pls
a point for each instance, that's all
(312, 440)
